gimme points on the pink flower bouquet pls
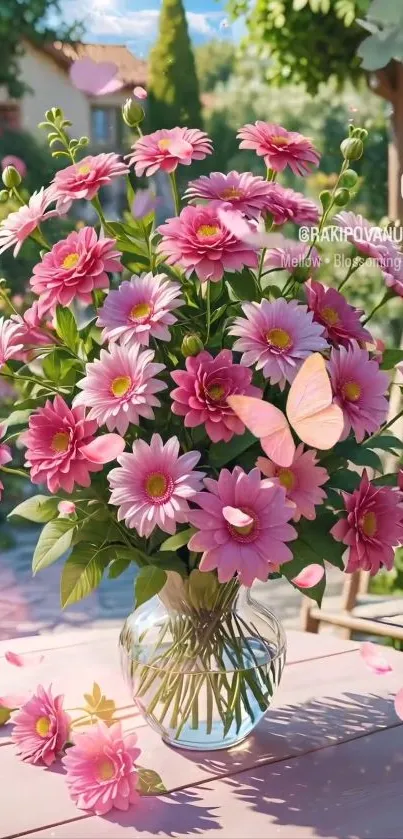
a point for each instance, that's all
(197, 404)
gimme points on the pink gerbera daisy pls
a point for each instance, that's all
(245, 192)
(17, 226)
(279, 147)
(5, 453)
(139, 309)
(61, 449)
(85, 178)
(242, 526)
(276, 337)
(199, 241)
(291, 256)
(152, 485)
(368, 239)
(302, 481)
(119, 387)
(100, 770)
(341, 321)
(373, 527)
(166, 148)
(203, 390)
(10, 340)
(41, 728)
(359, 387)
(74, 268)
(287, 205)
(31, 330)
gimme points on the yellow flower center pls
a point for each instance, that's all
(121, 385)
(164, 143)
(279, 140)
(330, 315)
(106, 770)
(60, 441)
(42, 726)
(246, 530)
(369, 524)
(351, 391)
(279, 338)
(141, 310)
(85, 169)
(216, 392)
(207, 230)
(286, 478)
(231, 192)
(156, 485)
(70, 261)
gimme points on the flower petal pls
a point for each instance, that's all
(104, 449)
(374, 658)
(22, 660)
(13, 701)
(236, 517)
(309, 576)
(399, 703)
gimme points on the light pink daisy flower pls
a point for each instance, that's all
(139, 309)
(242, 526)
(165, 149)
(100, 770)
(359, 387)
(85, 178)
(302, 481)
(287, 205)
(31, 329)
(152, 485)
(61, 448)
(73, 269)
(199, 241)
(291, 256)
(341, 321)
(368, 239)
(279, 147)
(119, 387)
(41, 728)
(245, 192)
(203, 390)
(390, 261)
(17, 226)
(13, 160)
(5, 453)
(276, 337)
(10, 340)
(373, 527)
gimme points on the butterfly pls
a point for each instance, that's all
(310, 411)
(96, 78)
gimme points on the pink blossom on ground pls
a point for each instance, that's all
(41, 728)
(245, 192)
(368, 239)
(166, 148)
(302, 481)
(203, 390)
(140, 92)
(5, 453)
(279, 147)
(152, 486)
(139, 309)
(17, 226)
(199, 241)
(242, 526)
(276, 337)
(10, 340)
(13, 160)
(373, 526)
(359, 387)
(85, 178)
(119, 387)
(100, 770)
(291, 256)
(341, 321)
(73, 269)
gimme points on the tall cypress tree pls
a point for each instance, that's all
(173, 84)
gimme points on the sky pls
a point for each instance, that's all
(135, 22)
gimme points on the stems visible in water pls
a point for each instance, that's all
(175, 193)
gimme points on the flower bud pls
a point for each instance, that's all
(11, 178)
(325, 198)
(191, 345)
(352, 148)
(4, 196)
(301, 274)
(348, 179)
(341, 197)
(132, 113)
(359, 133)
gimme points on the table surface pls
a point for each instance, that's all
(327, 760)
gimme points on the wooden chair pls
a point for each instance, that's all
(357, 612)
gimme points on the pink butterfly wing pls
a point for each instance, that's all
(94, 77)
(310, 409)
(267, 423)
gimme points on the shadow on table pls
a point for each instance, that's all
(179, 814)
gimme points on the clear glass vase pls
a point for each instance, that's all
(203, 661)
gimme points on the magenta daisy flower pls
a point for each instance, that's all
(291, 256)
(359, 387)
(41, 728)
(276, 337)
(287, 205)
(199, 241)
(85, 178)
(279, 147)
(203, 390)
(242, 526)
(245, 192)
(373, 527)
(100, 770)
(139, 309)
(166, 148)
(341, 321)
(119, 387)
(10, 340)
(5, 453)
(74, 268)
(152, 485)
(367, 239)
(17, 226)
(302, 481)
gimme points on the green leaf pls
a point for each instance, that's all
(117, 567)
(344, 479)
(5, 714)
(389, 480)
(390, 358)
(40, 509)
(221, 454)
(19, 417)
(384, 442)
(149, 782)
(66, 328)
(82, 573)
(359, 454)
(54, 541)
(316, 536)
(242, 284)
(177, 541)
(150, 581)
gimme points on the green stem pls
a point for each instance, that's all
(391, 422)
(43, 383)
(381, 303)
(353, 268)
(208, 312)
(175, 193)
(18, 472)
(329, 208)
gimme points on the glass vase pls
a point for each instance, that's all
(203, 661)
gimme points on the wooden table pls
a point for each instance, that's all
(327, 761)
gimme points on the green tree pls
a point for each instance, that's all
(173, 84)
(215, 62)
(27, 19)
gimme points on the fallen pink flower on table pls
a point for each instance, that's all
(309, 576)
(23, 660)
(41, 728)
(374, 658)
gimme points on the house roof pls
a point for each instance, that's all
(131, 70)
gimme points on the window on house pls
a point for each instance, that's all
(103, 125)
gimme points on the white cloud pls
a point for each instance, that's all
(199, 23)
